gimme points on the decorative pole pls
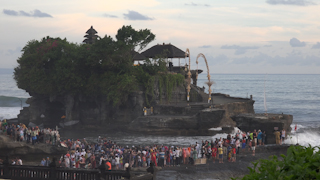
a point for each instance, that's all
(189, 75)
(209, 83)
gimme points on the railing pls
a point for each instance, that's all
(55, 173)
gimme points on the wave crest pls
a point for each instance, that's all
(8, 101)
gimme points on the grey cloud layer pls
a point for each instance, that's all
(291, 2)
(294, 42)
(292, 58)
(35, 13)
(239, 49)
(134, 15)
(316, 46)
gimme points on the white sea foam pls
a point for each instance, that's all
(9, 112)
(216, 129)
(304, 135)
(304, 139)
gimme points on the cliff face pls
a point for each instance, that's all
(88, 111)
(93, 111)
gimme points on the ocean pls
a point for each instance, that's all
(298, 95)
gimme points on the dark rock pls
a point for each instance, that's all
(9, 147)
(268, 123)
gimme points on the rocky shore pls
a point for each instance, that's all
(26, 151)
(32, 155)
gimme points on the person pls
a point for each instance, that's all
(48, 162)
(29, 135)
(255, 135)
(229, 154)
(234, 154)
(154, 157)
(214, 153)
(259, 137)
(43, 162)
(238, 145)
(194, 154)
(161, 156)
(253, 147)
(33, 136)
(243, 144)
(263, 135)
(277, 136)
(283, 135)
(108, 165)
(220, 150)
(19, 161)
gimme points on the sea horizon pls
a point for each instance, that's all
(11, 70)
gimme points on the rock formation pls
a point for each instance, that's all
(263, 122)
(9, 147)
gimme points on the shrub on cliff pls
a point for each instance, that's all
(299, 163)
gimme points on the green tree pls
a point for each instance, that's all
(299, 163)
(56, 67)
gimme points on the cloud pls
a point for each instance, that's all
(205, 46)
(110, 16)
(10, 12)
(267, 45)
(194, 4)
(291, 2)
(239, 49)
(316, 46)
(294, 42)
(134, 15)
(35, 13)
(292, 58)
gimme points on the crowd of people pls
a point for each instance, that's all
(83, 154)
(88, 155)
(21, 132)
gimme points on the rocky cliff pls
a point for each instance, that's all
(263, 122)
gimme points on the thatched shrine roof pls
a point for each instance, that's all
(91, 31)
(170, 51)
(137, 56)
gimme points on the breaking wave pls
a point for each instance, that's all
(8, 101)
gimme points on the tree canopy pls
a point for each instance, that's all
(54, 66)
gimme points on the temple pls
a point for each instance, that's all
(90, 36)
(190, 110)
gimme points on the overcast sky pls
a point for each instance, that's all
(247, 36)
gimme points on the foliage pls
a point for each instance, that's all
(154, 72)
(300, 163)
(54, 66)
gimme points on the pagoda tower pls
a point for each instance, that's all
(90, 36)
